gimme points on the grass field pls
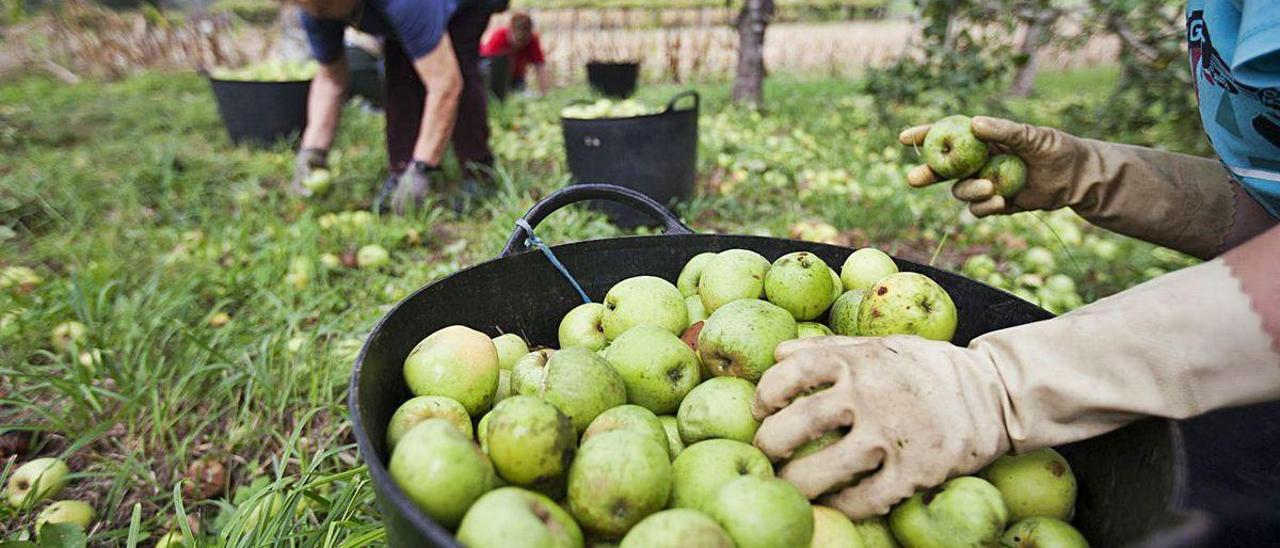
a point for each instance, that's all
(207, 393)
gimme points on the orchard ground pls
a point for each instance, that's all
(144, 224)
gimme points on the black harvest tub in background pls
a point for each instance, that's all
(616, 80)
(1132, 481)
(261, 113)
(656, 154)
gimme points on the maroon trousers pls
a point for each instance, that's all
(406, 94)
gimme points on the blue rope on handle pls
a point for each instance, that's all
(534, 241)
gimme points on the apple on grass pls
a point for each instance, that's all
(799, 283)
(1038, 483)
(739, 338)
(1007, 172)
(763, 513)
(531, 443)
(865, 267)
(74, 512)
(704, 467)
(420, 408)
(658, 368)
(372, 256)
(584, 327)
(671, 426)
(677, 528)
(511, 516)
(618, 479)
(527, 374)
(66, 334)
(631, 418)
(687, 282)
(1042, 532)
(582, 385)
(456, 362)
(952, 150)
(812, 329)
(964, 511)
(731, 275)
(318, 181)
(441, 470)
(644, 300)
(718, 408)
(36, 480)
(172, 539)
(907, 303)
(844, 313)
(511, 348)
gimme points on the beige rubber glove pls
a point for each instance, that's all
(919, 411)
(1175, 200)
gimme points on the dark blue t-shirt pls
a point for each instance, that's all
(416, 24)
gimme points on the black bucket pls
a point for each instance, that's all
(366, 76)
(655, 154)
(1132, 481)
(498, 76)
(613, 79)
(261, 113)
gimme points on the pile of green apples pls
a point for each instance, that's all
(638, 428)
(281, 70)
(608, 108)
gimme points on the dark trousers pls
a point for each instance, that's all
(406, 94)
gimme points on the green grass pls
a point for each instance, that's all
(144, 222)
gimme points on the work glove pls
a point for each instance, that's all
(407, 190)
(1175, 200)
(918, 412)
(308, 159)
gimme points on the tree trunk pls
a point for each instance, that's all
(1025, 79)
(748, 84)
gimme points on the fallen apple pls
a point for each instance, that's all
(67, 334)
(718, 408)
(372, 256)
(420, 408)
(441, 470)
(618, 479)
(677, 528)
(952, 150)
(658, 368)
(799, 283)
(74, 512)
(318, 181)
(172, 539)
(907, 303)
(510, 516)
(36, 480)
(739, 338)
(763, 513)
(531, 444)
(456, 362)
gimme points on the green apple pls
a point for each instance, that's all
(718, 408)
(74, 512)
(812, 329)
(1060, 283)
(831, 529)
(763, 513)
(733, 274)
(952, 150)
(1042, 532)
(582, 385)
(799, 283)
(814, 445)
(583, 327)
(658, 368)
(907, 303)
(421, 408)
(456, 362)
(1038, 260)
(697, 312)
(441, 470)
(1039, 483)
(172, 539)
(1007, 172)
(837, 286)
(372, 256)
(979, 267)
(36, 480)
(482, 428)
(318, 181)
(504, 386)
(511, 348)
(66, 334)
(531, 443)
(865, 267)
(687, 283)
(739, 338)
(875, 533)
(677, 528)
(964, 511)
(704, 467)
(632, 418)
(510, 516)
(671, 426)
(527, 374)
(844, 313)
(618, 479)
(644, 300)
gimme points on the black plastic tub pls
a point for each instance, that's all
(366, 76)
(656, 155)
(1132, 481)
(261, 113)
(613, 79)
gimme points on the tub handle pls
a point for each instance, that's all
(591, 191)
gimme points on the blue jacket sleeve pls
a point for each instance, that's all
(325, 38)
(1257, 58)
(419, 24)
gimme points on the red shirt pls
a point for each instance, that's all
(499, 43)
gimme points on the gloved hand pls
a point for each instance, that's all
(920, 411)
(308, 159)
(409, 189)
(1179, 201)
